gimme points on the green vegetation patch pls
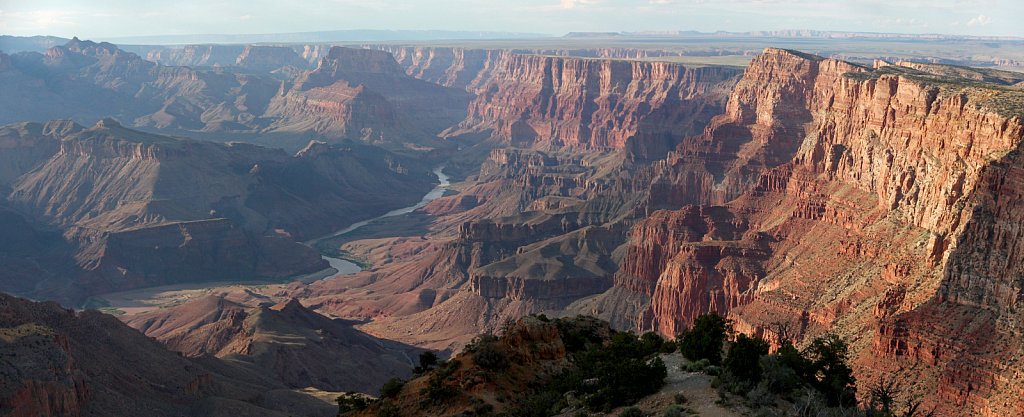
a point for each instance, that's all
(604, 376)
(13, 334)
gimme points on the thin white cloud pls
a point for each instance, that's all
(42, 19)
(979, 20)
(572, 4)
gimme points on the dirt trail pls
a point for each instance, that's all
(696, 387)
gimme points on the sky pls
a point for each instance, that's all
(99, 19)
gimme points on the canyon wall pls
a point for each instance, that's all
(550, 103)
(532, 99)
(858, 201)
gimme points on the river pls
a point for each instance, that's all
(345, 267)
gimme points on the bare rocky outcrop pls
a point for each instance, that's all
(530, 98)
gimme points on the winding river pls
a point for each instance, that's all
(345, 267)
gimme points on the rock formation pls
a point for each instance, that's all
(196, 55)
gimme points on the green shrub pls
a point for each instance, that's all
(488, 354)
(673, 410)
(392, 387)
(542, 404)
(428, 360)
(580, 333)
(679, 398)
(480, 407)
(761, 397)
(632, 412)
(743, 359)
(651, 342)
(437, 391)
(352, 401)
(778, 376)
(696, 366)
(389, 410)
(705, 339)
(791, 358)
(829, 373)
(624, 381)
(603, 377)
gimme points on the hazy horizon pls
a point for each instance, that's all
(111, 19)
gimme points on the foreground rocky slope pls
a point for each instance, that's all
(496, 375)
(61, 363)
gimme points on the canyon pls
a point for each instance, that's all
(826, 196)
(135, 209)
(798, 196)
